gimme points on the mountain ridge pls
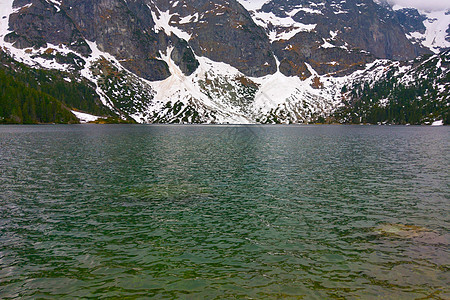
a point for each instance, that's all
(205, 62)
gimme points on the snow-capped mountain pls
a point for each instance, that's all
(430, 29)
(414, 92)
(222, 61)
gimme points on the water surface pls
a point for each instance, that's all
(224, 211)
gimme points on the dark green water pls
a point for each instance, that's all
(224, 212)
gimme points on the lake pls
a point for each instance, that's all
(224, 211)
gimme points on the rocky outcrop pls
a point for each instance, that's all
(121, 29)
(411, 20)
(183, 56)
(346, 35)
(222, 31)
(361, 24)
(38, 23)
(339, 36)
(308, 48)
(448, 34)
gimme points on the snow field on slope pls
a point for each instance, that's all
(253, 4)
(84, 117)
(436, 25)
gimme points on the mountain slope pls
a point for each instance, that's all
(273, 61)
(31, 96)
(396, 93)
(429, 29)
(219, 30)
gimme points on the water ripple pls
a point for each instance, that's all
(224, 212)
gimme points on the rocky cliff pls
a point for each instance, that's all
(217, 61)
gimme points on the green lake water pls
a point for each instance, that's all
(205, 212)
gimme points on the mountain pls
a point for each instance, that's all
(415, 92)
(222, 61)
(428, 29)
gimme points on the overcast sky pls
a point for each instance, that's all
(424, 4)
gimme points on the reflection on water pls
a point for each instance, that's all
(224, 211)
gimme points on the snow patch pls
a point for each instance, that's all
(327, 44)
(286, 28)
(84, 117)
(187, 90)
(56, 4)
(6, 9)
(96, 55)
(162, 21)
(438, 123)
(436, 24)
(189, 19)
(253, 5)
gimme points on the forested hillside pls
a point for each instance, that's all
(33, 96)
(402, 95)
(20, 103)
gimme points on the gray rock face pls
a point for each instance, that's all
(411, 20)
(448, 34)
(40, 23)
(447, 38)
(347, 34)
(183, 56)
(125, 31)
(350, 26)
(306, 47)
(223, 31)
